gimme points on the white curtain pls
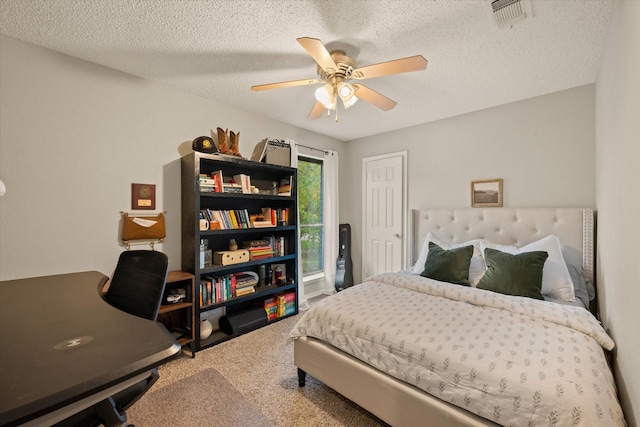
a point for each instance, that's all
(303, 304)
(330, 219)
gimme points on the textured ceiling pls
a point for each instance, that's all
(218, 49)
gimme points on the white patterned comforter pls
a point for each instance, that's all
(516, 361)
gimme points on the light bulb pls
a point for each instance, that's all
(326, 96)
(345, 90)
(347, 94)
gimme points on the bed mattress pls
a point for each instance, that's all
(512, 360)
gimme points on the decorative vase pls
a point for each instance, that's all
(205, 329)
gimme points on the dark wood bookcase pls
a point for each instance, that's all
(179, 317)
(264, 177)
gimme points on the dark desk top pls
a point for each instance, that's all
(42, 368)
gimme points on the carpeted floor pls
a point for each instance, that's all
(248, 381)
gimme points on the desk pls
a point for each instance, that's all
(63, 345)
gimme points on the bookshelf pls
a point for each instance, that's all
(255, 205)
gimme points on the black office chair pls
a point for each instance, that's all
(137, 287)
(138, 283)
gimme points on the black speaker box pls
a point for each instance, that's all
(243, 321)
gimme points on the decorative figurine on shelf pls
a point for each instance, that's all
(233, 246)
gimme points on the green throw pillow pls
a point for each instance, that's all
(519, 275)
(448, 265)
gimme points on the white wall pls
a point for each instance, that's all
(74, 136)
(618, 198)
(543, 148)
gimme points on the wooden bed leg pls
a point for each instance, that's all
(302, 377)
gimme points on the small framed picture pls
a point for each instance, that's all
(143, 196)
(486, 193)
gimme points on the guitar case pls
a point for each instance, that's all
(344, 265)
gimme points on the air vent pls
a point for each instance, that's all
(508, 12)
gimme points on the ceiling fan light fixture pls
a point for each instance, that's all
(345, 90)
(348, 103)
(327, 97)
(347, 94)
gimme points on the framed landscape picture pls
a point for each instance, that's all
(486, 193)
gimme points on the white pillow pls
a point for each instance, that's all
(477, 267)
(556, 280)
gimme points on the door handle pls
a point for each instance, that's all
(397, 236)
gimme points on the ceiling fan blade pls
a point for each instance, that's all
(397, 66)
(374, 97)
(316, 111)
(318, 52)
(286, 84)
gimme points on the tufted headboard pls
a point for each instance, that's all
(508, 226)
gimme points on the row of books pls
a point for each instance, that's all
(278, 244)
(284, 189)
(227, 219)
(240, 183)
(215, 183)
(280, 305)
(267, 247)
(208, 184)
(258, 249)
(240, 218)
(215, 289)
(270, 217)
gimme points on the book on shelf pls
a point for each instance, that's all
(229, 187)
(287, 297)
(206, 293)
(223, 288)
(286, 309)
(269, 215)
(260, 222)
(228, 219)
(286, 304)
(262, 219)
(260, 252)
(274, 216)
(245, 279)
(271, 307)
(278, 244)
(245, 291)
(248, 244)
(244, 181)
(218, 179)
(232, 283)
(207, 184)
(284, 189)
(258, 249)
(234, 221)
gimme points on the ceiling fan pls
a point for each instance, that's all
(336, 69)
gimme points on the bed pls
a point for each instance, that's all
(417, 350)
